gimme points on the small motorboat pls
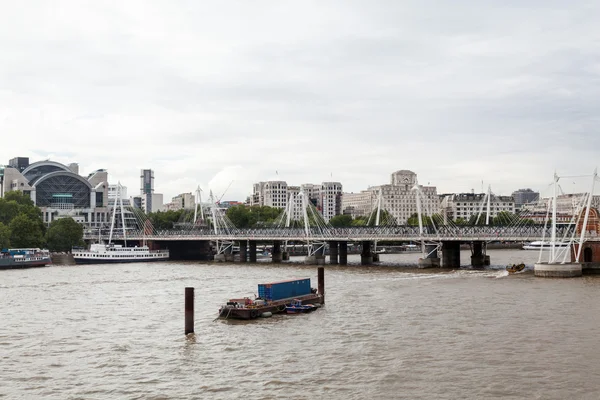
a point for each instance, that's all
(296, 307)
(515, 268)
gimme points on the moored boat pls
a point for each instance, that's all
(296, 307)
(274, 298)
(537, 245)
(24, 258)
(114, 253)
(101, 253)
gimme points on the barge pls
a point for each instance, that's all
(272, 298)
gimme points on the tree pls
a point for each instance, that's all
(63, 234)
(413, 220)
(19, 197)
(254, 216)
(359, 221)
(504, 218)
(165, 219)
(460, 221)
(4, 236)
(25, 232)
(385, 218)
(8, 210)
(239, 216)
(474, 221)
(341, 221)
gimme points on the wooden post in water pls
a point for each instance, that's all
(189, 310)
(321, 284)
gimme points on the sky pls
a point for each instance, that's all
(223, 94)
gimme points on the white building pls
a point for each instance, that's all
(271, 193)
(359, 204)
(181, 201)
(330, 200)
(156, 202)
(325, 197)
(112, 192)
(465, 205)
(398, 198)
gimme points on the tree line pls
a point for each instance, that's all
(21, 226)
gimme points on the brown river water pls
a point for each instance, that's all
(386, 332)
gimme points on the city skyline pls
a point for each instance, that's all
(205, 96)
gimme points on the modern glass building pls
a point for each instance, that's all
(59, 190)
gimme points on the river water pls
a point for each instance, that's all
(386, 332)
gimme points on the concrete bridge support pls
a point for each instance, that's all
(479, 259)
(366, 255)
(343, 252)
(276, 255)
(243, 251)
(451, 254)
(431, 259)
(566, 270)
(252, 250)
(318, 258)
(229, 254)
(333, 252)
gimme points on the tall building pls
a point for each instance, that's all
(397, 198)
(147, 189)
(525, 196)
(330, 200)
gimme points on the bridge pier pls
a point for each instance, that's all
(252, 251)
(318, 258)
(431, 259)
(243, 251)
(451, 254)
(478, 257)
(375, 255)
(276, 255)
(366, 256)
(566, 270)
(333, 252)
(343, 252)
(229, 253)
(285, 256)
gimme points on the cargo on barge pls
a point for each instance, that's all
(272, 298)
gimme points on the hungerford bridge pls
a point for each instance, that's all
(200, 240)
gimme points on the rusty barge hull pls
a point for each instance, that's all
(276, 306)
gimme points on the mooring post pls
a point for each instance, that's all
(189, 310)
(321, 284)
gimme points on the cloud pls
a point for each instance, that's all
(209, 93)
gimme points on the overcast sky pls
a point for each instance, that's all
(205, 93)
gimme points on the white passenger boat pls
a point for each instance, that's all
(101, 253)
(545, 245)
(115, 253)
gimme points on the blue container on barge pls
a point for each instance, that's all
(284, 289)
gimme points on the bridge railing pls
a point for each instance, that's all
(533, 232)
